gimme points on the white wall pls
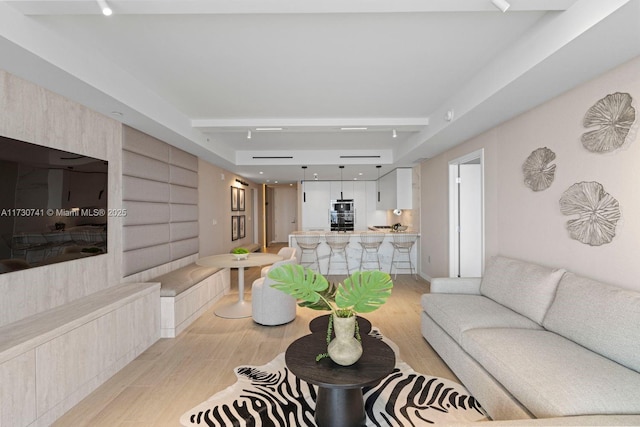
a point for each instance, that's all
(214, 194)
(33, 114)
(529, 225)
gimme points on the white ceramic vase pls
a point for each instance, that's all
(344, 349)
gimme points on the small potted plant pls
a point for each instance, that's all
(240, 253)
(362, 292)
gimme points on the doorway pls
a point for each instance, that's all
(466, 215)
(281, 213)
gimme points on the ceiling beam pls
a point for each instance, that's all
(310, 124)
(182, 7)
(542, 43)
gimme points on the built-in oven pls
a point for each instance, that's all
(342, 205)
(342, 215)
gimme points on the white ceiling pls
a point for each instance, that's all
(200, 74)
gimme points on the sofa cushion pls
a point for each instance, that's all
(456, 313)
(553, 376)
(524, 287)
(601, 317)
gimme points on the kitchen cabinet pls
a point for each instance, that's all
(396, 190)
(360, 204)
(315, 210)
(344, 187)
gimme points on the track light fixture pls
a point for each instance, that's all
(106, 10)
(394, 134)
(249, 134)
(503, 5)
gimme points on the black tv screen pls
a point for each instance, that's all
(53, 205)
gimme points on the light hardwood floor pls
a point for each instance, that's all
(176, 374)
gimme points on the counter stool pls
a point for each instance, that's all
(338, 244)
(308, 243)
(370, 242)
(402, 244)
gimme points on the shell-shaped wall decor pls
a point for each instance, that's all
(538, 173)
(613, 117)
(598, 212)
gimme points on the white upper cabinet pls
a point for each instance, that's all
(395, 190)
(342, 190)
(318, 196)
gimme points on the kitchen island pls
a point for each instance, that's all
(354, 251)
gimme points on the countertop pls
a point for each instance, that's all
(387, 231)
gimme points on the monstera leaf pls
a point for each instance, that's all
(364, 291)
(311, 289)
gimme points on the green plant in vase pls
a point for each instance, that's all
(362, 292)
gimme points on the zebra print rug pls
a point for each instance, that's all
(270, 395)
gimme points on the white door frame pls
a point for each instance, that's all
(255, 216)
(454, 244)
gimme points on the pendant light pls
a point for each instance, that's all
(378, 181)
(304, 178)
(341, 167)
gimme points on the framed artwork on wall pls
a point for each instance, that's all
(234, 198)
(241, 230)
(241, 199)
(235, 220)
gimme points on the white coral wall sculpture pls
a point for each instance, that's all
(612, 118)
(598, 212)
(538, 173)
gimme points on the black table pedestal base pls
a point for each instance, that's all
(340, 407)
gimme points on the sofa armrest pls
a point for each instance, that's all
(456, 285)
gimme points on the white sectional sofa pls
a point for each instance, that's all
(536, 343)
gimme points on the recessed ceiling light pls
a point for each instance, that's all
(261, 172)
(268, 129)
(106, 10)
(503, 5)
(353, 128)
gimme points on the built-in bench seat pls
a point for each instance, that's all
(253, 247)
(186, 293)
(52, 360)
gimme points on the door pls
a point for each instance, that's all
(466, 216)
(285, 212)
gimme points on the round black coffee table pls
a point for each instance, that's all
(339, 402)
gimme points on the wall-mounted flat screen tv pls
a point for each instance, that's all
(53, 205)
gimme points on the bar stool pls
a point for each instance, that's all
(338, 244)
(370, 242)
(402, 244)
(308, 243)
